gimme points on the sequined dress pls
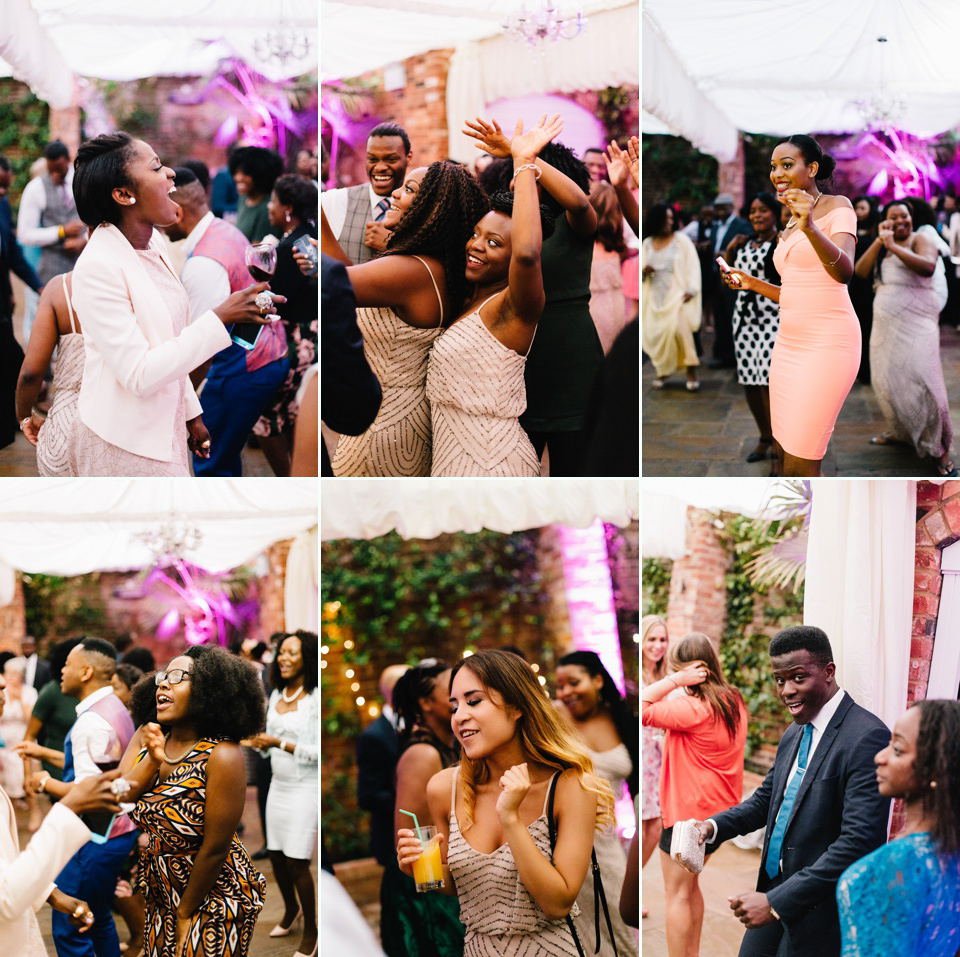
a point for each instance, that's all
(172, 816)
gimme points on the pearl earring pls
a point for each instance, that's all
(288, 217)
(132, 201)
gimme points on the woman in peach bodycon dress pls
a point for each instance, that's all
(817, 352)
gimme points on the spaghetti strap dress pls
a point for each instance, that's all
(171, 814)
(501, 917)
(476, 391)
(398, 441)
(817, 352)
(57, 441)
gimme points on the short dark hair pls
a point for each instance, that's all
(141, 658)
(183, 176)
(391, 129)
(309, 650)
(656, 220)
(803, 638)
(199, 169)
(99, 646)
(227, 698)
(594, 149)
(263, 166)
(55, 150)
(101, 167)
(128, 674)
(4, 163)
(502, 202)
(300, 194)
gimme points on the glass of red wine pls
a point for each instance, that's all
(261, 261)
(100, 822)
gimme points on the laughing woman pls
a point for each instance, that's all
(516, 818)
(202, 892)
(136, 402)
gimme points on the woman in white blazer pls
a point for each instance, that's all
(139, 412)
(26, 877)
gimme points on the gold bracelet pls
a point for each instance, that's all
(839, 254)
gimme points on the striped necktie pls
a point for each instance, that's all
(383, 206)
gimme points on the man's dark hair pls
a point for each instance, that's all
(56, 150)
(99, 646)
(227, 698)
(803, 638)
(101, 655)
(122, 642)
(4, 164)
(391, 129)
(263, 166)
(199, 169)
(141, 658)
(101, 167)
(593, 149)
(183, 176)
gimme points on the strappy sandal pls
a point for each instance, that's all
(947, 469)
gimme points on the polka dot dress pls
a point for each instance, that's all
(755, 319)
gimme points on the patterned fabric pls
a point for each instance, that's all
(651, 762)
(398, 442)
(607, 307)
(57, 441)
(901, 899)
(355, 225)
(501, 917)
(97, 456)
(906, 371)
(476, 392)
(59, 209)
(172, 816)
(226, 245)
(755, 320)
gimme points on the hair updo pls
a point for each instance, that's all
(811, 152)
(101, 167)
(502, 202)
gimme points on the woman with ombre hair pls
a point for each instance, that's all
(706, 728)
(516, 868)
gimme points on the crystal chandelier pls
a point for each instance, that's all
(169, 542)
(281, 44)
(541, 21)
(883, 109)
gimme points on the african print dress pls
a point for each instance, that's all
(171, 814)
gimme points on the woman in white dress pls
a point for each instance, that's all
(20, 699)
(291, 740)
(591, 701)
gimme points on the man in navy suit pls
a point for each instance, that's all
(824, 780)
(350, 393)
(11, 355)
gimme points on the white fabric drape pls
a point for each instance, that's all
(859, 586)
(604, 54)
(72, 526)
(425, 508)
(715, 79)
(301, 597)
(31, 57)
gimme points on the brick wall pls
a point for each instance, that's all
(697, 590)
(12, 626)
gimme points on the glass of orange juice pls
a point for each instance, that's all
(428, 867)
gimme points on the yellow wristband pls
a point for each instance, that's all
(61, 232)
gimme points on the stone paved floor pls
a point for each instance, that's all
(711, 431)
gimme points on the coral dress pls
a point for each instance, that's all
(817, 352)
(172, 816)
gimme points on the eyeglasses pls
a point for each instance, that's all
(172, 677)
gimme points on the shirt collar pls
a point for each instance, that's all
(92, 699)
(374, 198)
(196, 234)
(826, 713)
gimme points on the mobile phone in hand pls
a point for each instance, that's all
(722, 263)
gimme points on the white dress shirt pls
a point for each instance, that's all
(32, 204)
(90, 735)
(206, 281)
(334, 204)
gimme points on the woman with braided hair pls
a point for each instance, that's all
(475, 381)
(405, 297)
(904, 898)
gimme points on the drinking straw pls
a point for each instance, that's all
(416, 823)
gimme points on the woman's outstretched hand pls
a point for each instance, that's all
(618, 168)
(492, 139)
(152, 738)
(633, 151)
(242, 306)
(528, 145)
(513, 789)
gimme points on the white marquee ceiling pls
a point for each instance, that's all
(712, 67)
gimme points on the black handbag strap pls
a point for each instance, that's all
(599, 898)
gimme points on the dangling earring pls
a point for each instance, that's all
(288, 216)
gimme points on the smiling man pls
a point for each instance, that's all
(348, 211)
(819, 803)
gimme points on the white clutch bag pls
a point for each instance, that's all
(685, 846)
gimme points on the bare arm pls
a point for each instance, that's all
(328, 242)
(620, 176)
(920, 255)
(408, 847)
(751, 284)
(403, 284)
(867, 260)
(43, 340)
(417, 765)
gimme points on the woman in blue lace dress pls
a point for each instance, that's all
(904, 898)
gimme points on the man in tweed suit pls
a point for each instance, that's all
(350, 211)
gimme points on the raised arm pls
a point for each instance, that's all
(621, 177)
(864, 265)
(581, 216)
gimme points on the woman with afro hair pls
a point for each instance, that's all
(406, 296)
(475, 379)
(904, 898)
(188, 779)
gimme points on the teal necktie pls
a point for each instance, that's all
(779, 829)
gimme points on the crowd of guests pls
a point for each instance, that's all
(167, 355)
(166, 855)
(805, 293)
(830, 882)
(511, 781)
(495, 309)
